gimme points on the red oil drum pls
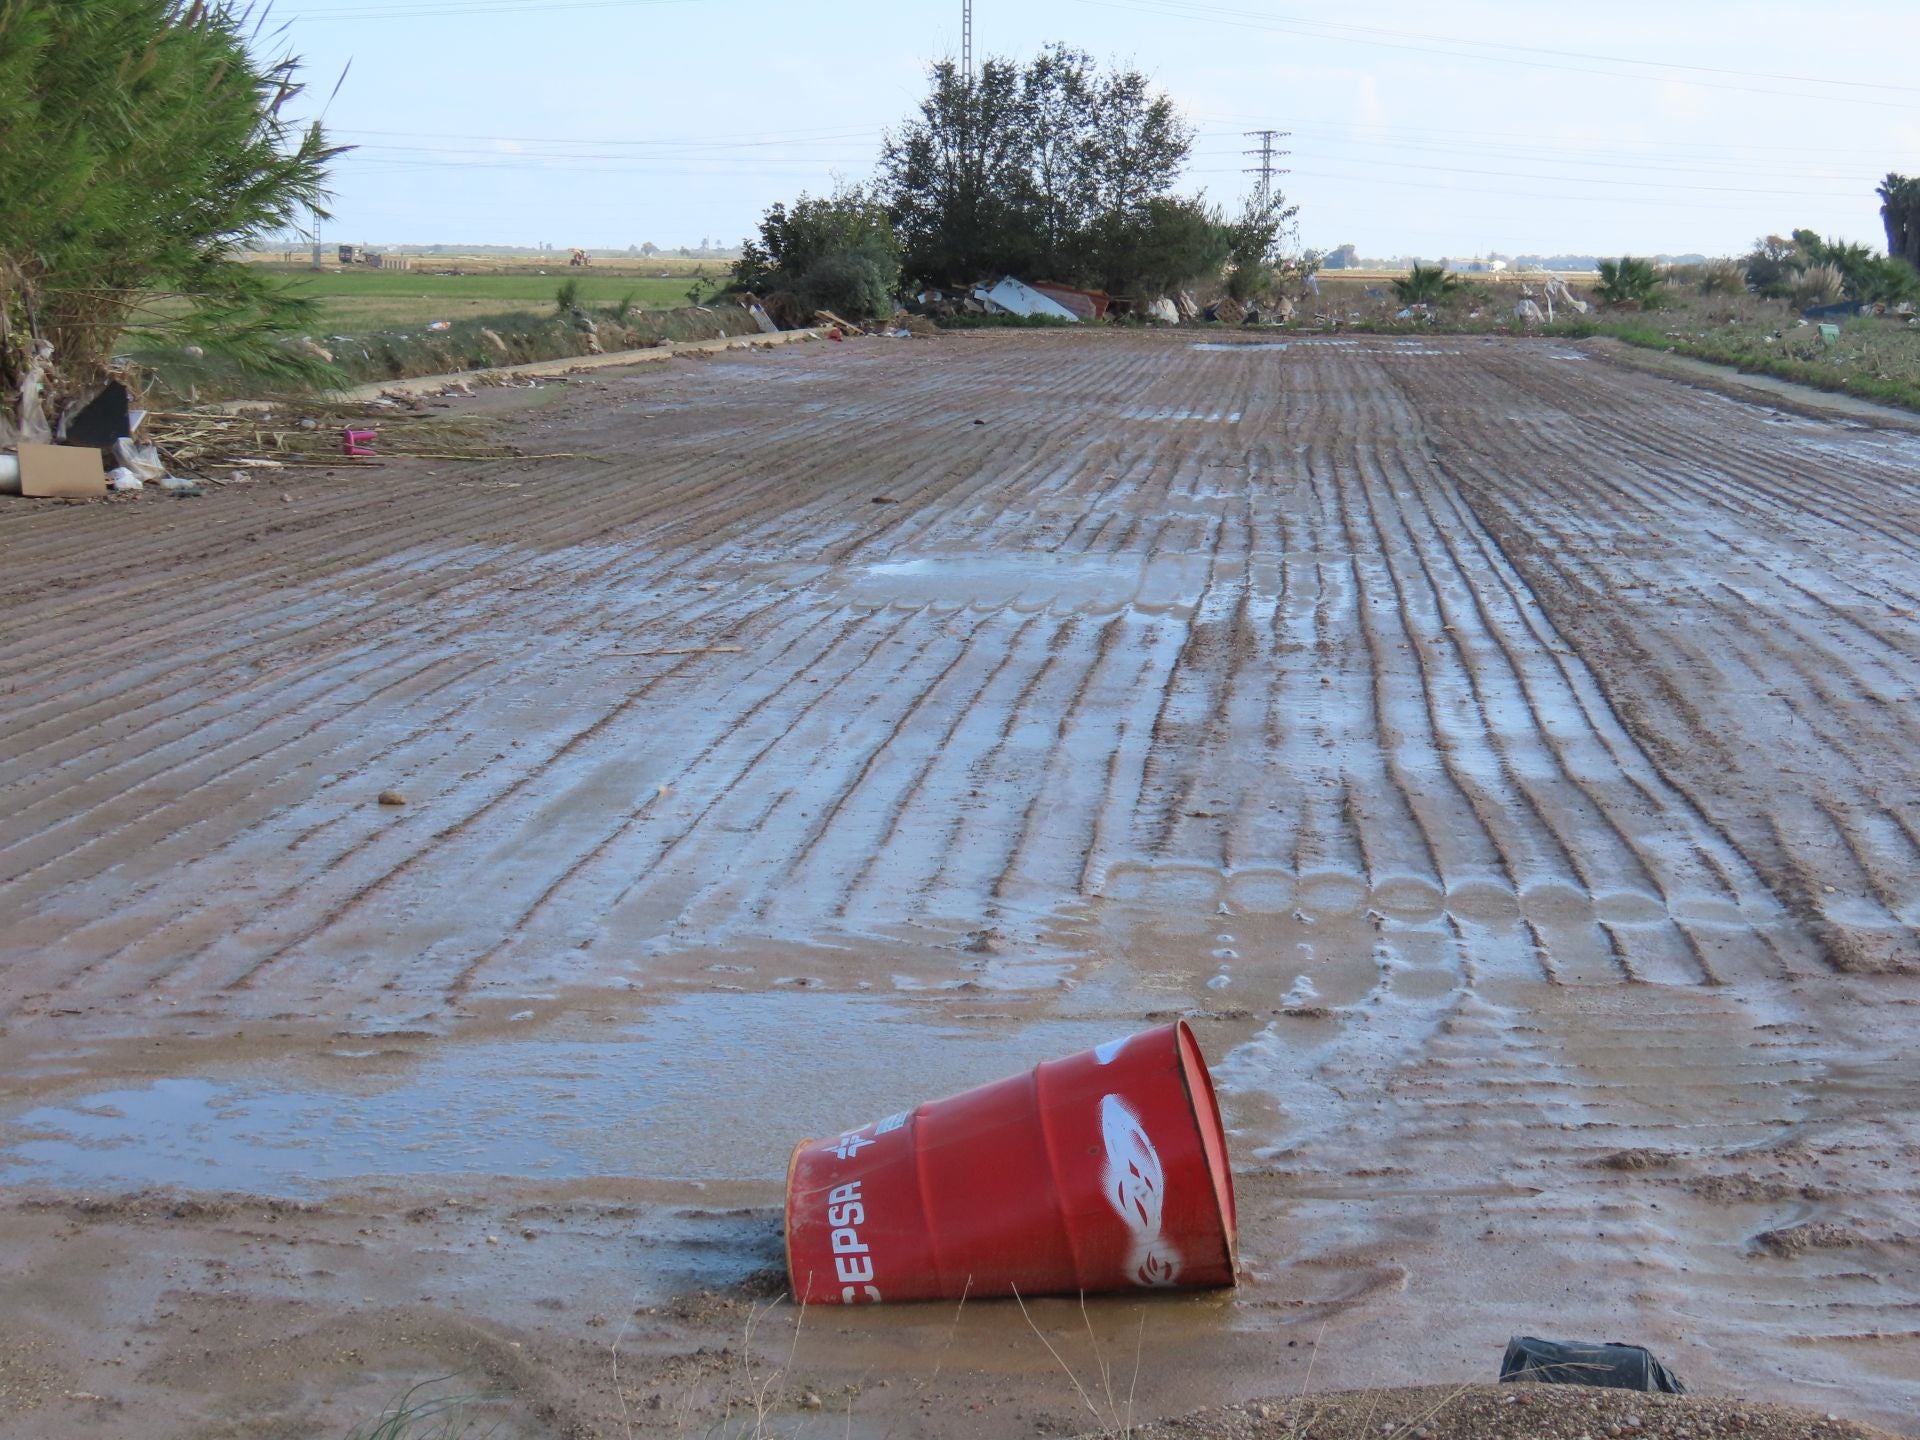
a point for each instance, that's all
(1103, 1171)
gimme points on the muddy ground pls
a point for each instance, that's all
(1505, 755)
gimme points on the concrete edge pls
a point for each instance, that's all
(566, 365)
(1788, 395)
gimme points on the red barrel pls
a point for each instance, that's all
(1103, 1171)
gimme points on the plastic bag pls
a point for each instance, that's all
(34, 427)
(143, 460)
(1573, 1362)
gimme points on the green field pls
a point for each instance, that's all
(359, 301)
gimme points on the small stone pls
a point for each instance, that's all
(1263, 1412)
(493, 1239)
(810, 1401)
(392, 797)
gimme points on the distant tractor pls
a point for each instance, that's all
(580, 258)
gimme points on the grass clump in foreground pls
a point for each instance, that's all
(419, 1416)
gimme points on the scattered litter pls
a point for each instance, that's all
(1016, 298)
(441, 325)
(1574, 1362)
(1163, 311)
(1120, 1182)
(120, 480)
(1086, 304)
(357, 443)
(180, 485)
(143, 460)
(9, 474)
(33, 426)
(102, 421)
(846, 327)
(61, 472)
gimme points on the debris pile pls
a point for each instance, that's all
(321, 434)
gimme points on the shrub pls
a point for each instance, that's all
(854, 283)
(835, 252)
(566, 299)
(1426, 285)
(1628, 283)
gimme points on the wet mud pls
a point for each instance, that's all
(1505, 757)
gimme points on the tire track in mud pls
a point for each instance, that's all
(1357, 727)
(1351, 698)
(1829, 843)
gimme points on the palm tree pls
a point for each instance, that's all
(1900, 211)
(1628, 282)
(1426, 285)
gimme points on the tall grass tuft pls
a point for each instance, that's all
(1818, 285)
(566, 299)
(1723, 277)
(414, 1417)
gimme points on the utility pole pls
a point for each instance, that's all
(966, 39)
(1266, 169)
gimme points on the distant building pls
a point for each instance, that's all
(1476, 267)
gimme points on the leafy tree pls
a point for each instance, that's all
(1254, 255)
(1426, 285)
(1771, 264)
(1173, 241)
(1628, 282)
(835, 252)
(1343, 257)
(1049, 170)
(1900, 212)
(144, 146)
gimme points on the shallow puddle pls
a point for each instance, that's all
(710, 1087)
(1038, 580)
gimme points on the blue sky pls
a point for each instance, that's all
(1457, 129)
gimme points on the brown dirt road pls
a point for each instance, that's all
(1507, 756)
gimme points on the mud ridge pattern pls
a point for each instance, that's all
(1514, 751)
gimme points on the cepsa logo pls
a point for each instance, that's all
(852, 1263)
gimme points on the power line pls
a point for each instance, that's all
(428, 10)
(1457, 49)
(1266, 169)
(1221, 12)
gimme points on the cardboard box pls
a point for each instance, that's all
(61, 472)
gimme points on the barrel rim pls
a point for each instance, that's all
(1213, 1139)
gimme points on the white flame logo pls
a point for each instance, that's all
(1136, 1188)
